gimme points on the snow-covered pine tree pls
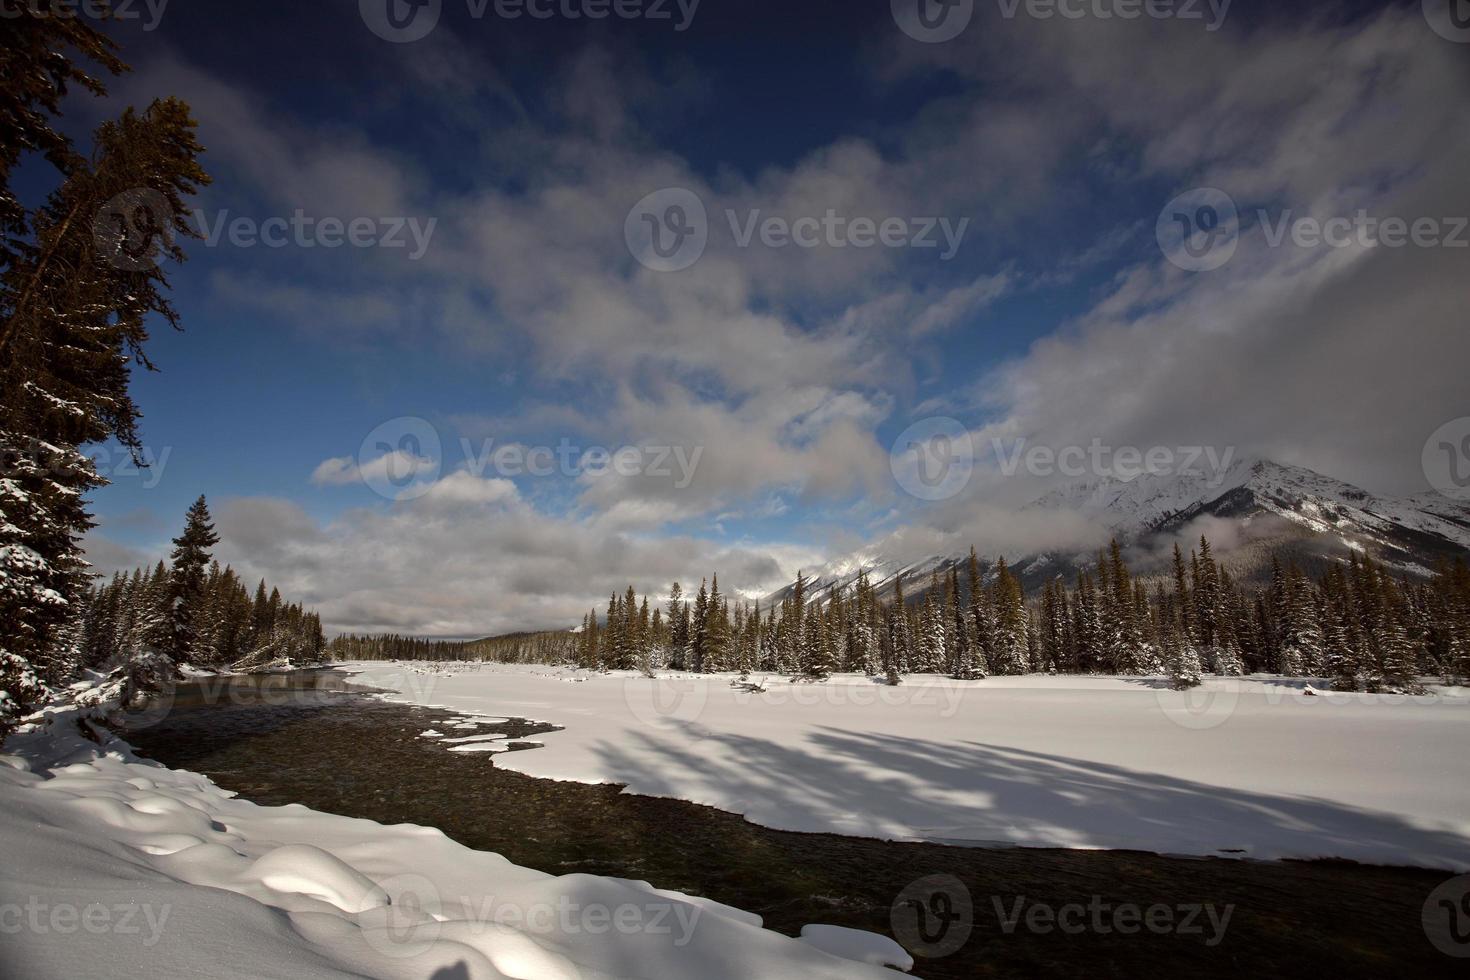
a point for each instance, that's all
(888, 652)
(716, 653)
(982, 618)
(903, 634)
(699, 629)
(1300, 632)
(1181, 659)
(1124, 640)
(187, 582)
(1011, 622)
(679, 638)
(1398, 659)
(1089, 627)
(930, 641)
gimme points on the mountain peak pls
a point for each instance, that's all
(1276, 505)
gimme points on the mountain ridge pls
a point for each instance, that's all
(1275, 507)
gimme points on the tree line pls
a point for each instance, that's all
(202, 616)
(549, 647)
(1356, 625)
(190, 611)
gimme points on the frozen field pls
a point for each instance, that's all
(1253, 767)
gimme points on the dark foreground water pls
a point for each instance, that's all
(311, 738)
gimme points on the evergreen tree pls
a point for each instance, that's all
(71, 323)
(902, 633)
(700, 630)
(187, 611)
(1011, 623)
(717, 632)
(678, 617)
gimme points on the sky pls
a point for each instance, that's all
(743, 287)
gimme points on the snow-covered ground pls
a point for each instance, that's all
(114, 867)
(1253, 767)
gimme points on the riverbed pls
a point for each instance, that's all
(317, 740)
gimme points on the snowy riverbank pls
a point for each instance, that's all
(1252, 767)
(118, 867)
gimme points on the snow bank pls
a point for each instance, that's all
(1247, 767)
(118, 867)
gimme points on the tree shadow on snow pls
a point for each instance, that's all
(878, 785)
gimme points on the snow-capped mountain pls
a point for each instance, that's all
(1312, 517)
(1248, 489)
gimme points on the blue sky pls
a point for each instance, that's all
(528, 319)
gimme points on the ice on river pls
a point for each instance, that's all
(1243, 766)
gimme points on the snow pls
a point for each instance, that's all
(119, 867)
(859, 946)
(1252, 767)
(1309, 499)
